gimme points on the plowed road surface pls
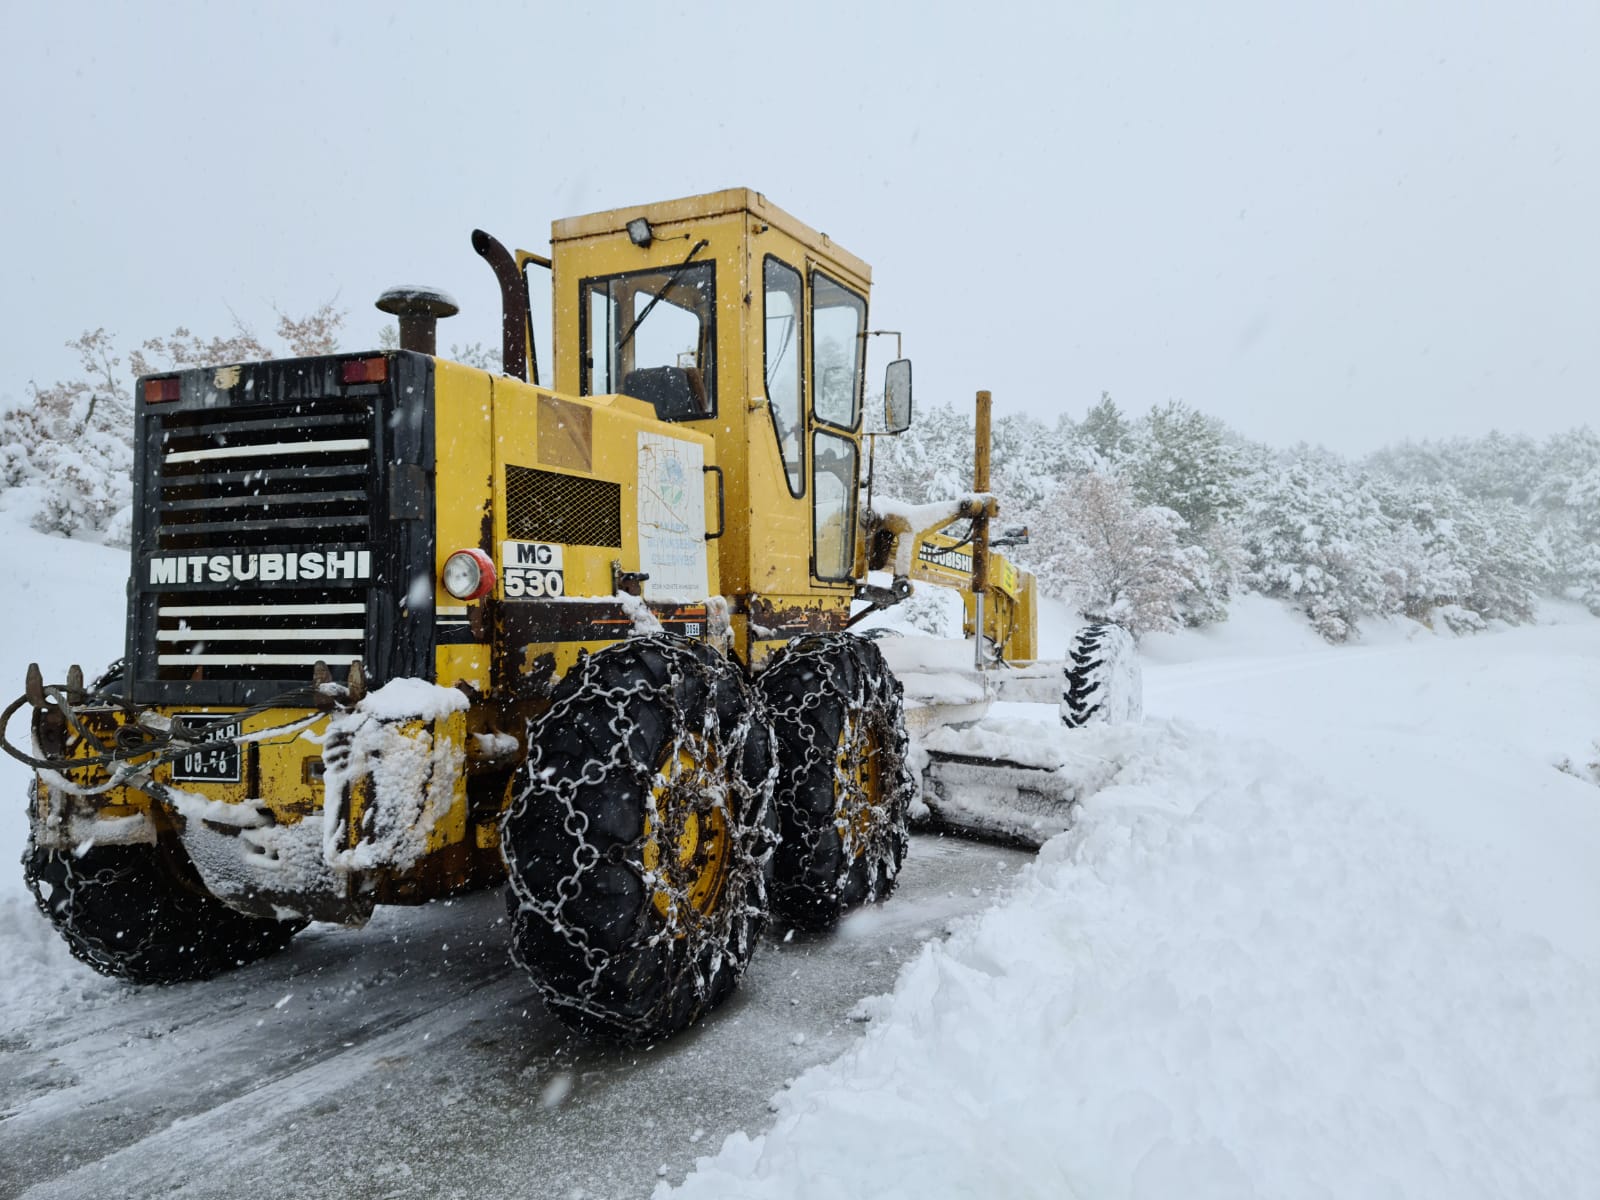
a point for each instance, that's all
(410, 1058)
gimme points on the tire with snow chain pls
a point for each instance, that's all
(1103, 684)
(639, 842)
(844, 785)
(140, 913)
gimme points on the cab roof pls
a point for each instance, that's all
(707, 205)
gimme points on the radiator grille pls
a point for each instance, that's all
(544, 506)
(257, 496)
(253, 478)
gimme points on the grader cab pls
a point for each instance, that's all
(399, 628)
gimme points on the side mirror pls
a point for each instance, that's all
(897, 396)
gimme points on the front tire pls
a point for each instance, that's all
(844, 784)
(140, 913)
(639, 843)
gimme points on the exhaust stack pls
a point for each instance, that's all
(419, 310)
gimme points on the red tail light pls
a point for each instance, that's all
(157, 390)
(364, 370)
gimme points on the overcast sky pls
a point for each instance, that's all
(1348, 226)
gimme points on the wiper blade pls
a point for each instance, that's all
(665, 288)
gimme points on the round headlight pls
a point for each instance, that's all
(468, 574)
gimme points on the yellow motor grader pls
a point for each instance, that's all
(399, 628)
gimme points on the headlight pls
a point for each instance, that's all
(468, 575)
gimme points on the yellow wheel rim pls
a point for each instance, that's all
(857, 786)
(689, 807)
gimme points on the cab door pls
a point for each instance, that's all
(837, 327)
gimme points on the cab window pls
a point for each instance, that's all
(838, 326)
(652, 335)
(784, 366)
(833, 511)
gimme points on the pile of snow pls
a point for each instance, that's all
(63, 603)
(1344, 941)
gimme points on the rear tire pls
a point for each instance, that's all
(1103, 685)
(140, 913)
(844, 785)
(640, 840)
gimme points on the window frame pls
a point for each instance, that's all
(852, 503)
(585, 358)
(800, 358)
(858, 398)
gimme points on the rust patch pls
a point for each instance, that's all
(783, 618)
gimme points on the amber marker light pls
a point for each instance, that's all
(158, 390)
(468, 575)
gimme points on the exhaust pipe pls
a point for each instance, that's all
(419, 310)
(513, 306)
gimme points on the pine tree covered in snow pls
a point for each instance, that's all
(1312, 529)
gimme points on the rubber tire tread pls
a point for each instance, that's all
(583, 921)
(809, 687)
(1085, 699)
(140, 913)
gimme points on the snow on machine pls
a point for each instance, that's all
(399, 628)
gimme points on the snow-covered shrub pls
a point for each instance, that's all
(73, 442)
(1456, 619)
(930, 609)
(1586, 767)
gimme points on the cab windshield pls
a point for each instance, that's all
(652, 335)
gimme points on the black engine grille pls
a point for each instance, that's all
(544, 506)
(265, 543)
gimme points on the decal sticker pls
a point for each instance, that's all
(672, 518)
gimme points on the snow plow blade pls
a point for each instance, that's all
(999, 778)
(989, 783)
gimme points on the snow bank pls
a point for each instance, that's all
(1228, 980)
(63, 603)
(40, 977)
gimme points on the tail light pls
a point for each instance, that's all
(364, 370)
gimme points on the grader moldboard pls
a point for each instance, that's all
(400, 628)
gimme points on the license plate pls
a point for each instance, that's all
(209, 764)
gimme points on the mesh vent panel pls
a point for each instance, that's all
(543, 506)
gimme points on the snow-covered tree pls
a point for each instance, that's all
(1105, 431)
(1311, 529)
(931, 460)
(1181, 459)
(1115, 559)
(72, 441)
